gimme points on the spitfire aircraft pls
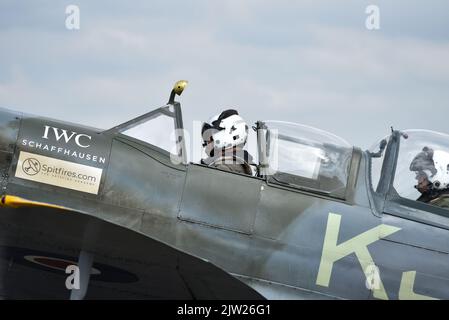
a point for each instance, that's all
(122, 214)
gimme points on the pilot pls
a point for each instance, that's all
(432, 173)
(224, 137)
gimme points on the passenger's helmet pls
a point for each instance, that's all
(434, 165)
(225, 130)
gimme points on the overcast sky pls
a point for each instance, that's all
(310, 62)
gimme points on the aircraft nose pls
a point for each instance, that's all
(9, 131)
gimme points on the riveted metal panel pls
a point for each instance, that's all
(220, 198)
(141, 178)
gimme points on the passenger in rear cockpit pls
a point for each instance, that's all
(224, 137)
(432, 173)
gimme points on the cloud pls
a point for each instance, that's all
(311, 62)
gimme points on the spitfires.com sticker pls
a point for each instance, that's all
(59, 173)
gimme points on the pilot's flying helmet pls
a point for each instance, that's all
(226, 130)
(434, 165)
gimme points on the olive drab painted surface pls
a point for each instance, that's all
(151, 228)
